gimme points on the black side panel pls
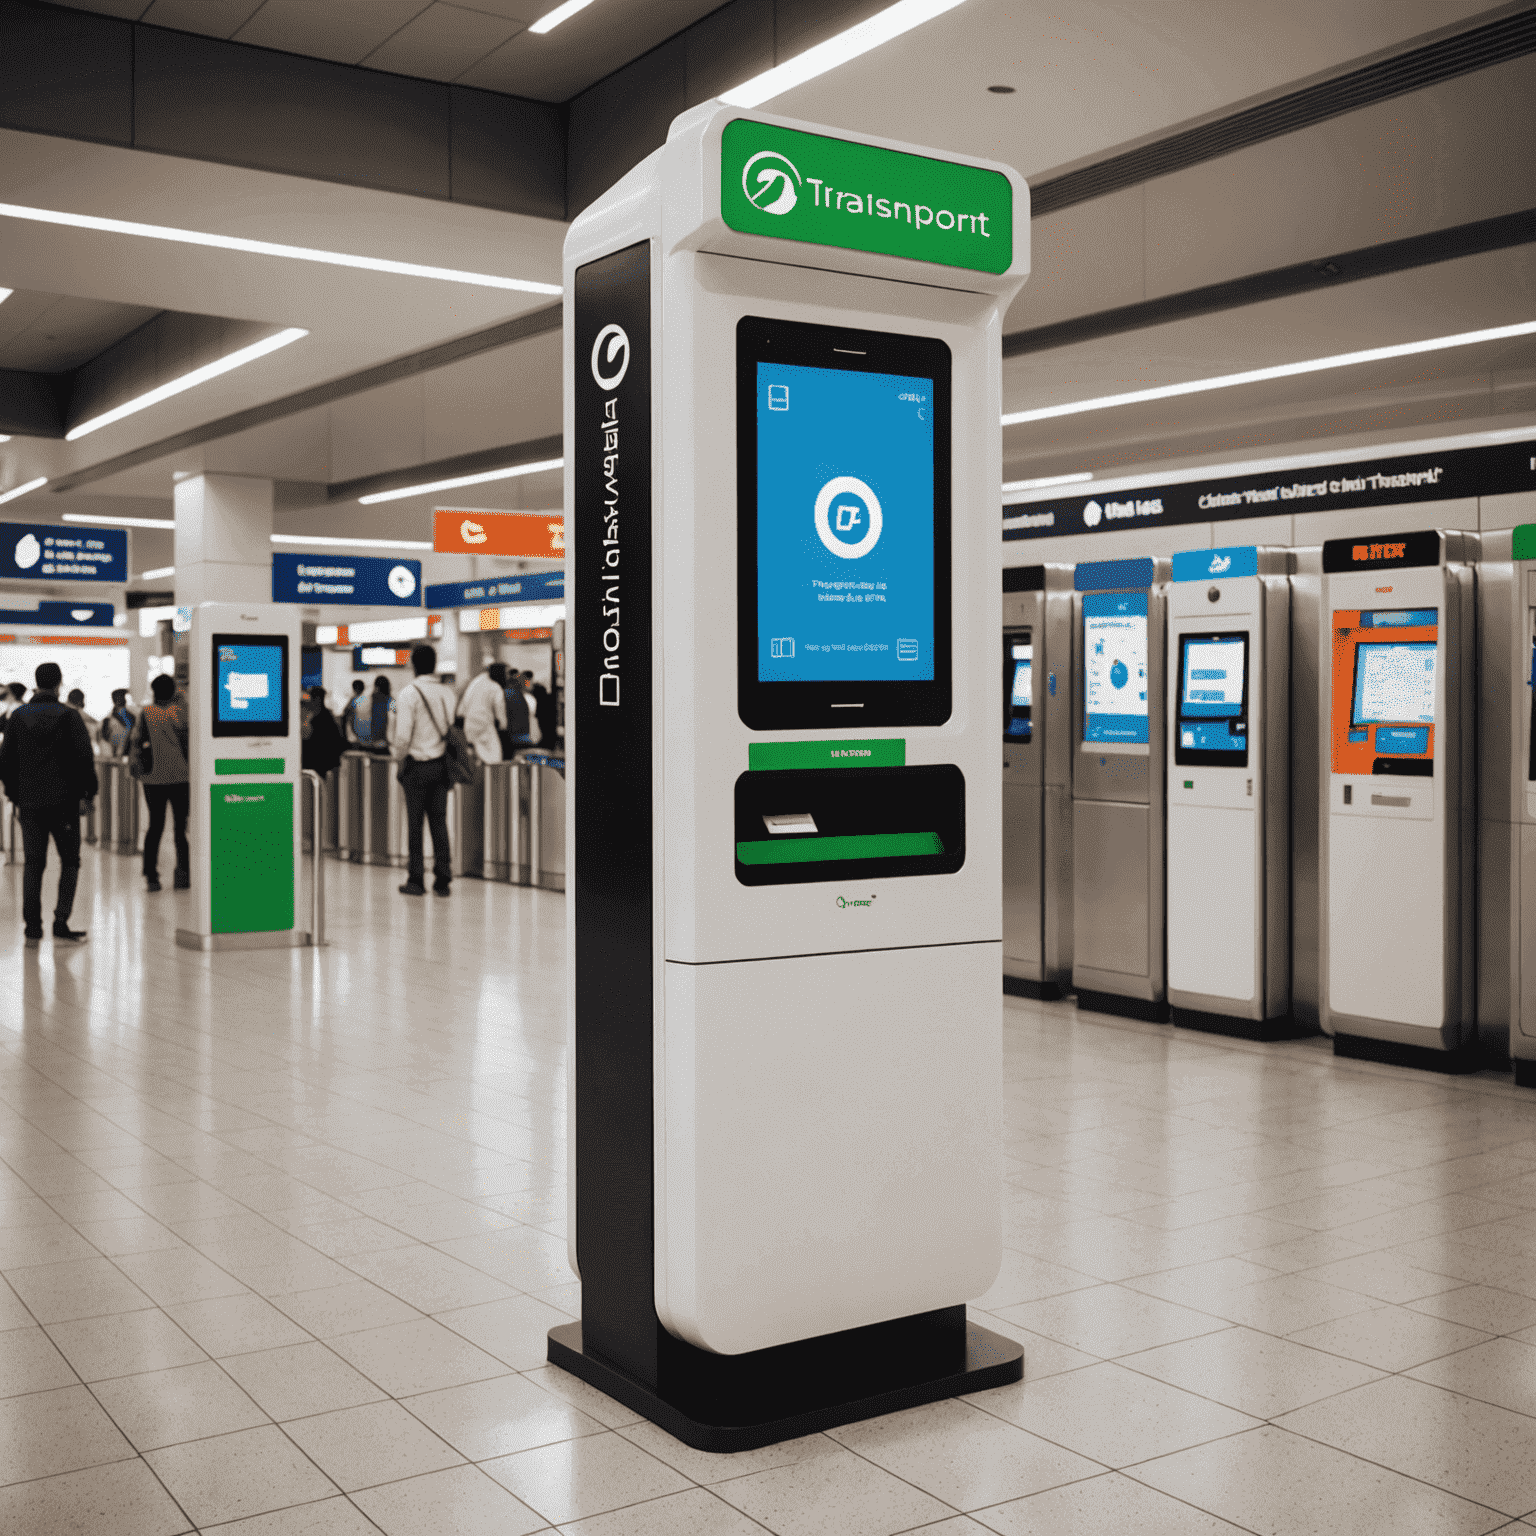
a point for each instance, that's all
(610, 712)
(1023, 578)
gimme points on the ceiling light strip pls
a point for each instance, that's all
(1076, 478)
(1280, 371)
(552, 19)
(21, 490)
(879, 28)
(156, 575)
(120, 522)
(340, 543)
(271, 248)
(462, 480)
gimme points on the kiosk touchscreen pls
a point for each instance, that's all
(784, 794)
(1037, 778)
(1398, 854)
(1228, 882)
(1117, 788)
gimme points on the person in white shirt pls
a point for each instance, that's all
(418, 735)
(484, 707)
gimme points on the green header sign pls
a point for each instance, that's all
(806, 186)
(1525, 542)
(889, 752)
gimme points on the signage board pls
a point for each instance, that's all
(825, 191)
(531, 535)
(99, 615)
(34, 551)
(535, 587)
(364, 580)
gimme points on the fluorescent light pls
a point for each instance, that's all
(159, 574)
(121, 522)
(5, 437)
(329, 543)
(21, 490)
(1048, 480)
(188, 381)
(552, 19)
(880, 28)
(5, 293)
(458, 480)
(376, 631)
(270, 248)
(1281, 371)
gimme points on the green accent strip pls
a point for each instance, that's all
(247, 765)
(825, 850)
(250, 857)
(1525, 542)
(825, 191)
(890, 753)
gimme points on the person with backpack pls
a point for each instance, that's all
(419, 730)
(484, 711)
(373, 720)
(349, 713)
(48, 768)
(115, 729)
(157, 758)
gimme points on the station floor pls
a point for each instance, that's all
(282, 1233)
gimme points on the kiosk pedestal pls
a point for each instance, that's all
(1037, 780)
(782, 407)
(1229, 832)
(1119, 618)
(1399, 832)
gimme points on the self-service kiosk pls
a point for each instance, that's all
(243, 688)
(1398, 837)
(1037, 780)
(1506, 993)
(1119, 620)
(1229, 790)
(782, 401)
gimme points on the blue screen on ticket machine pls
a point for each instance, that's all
(1213, 701)
(250, 685)
(1115, 668)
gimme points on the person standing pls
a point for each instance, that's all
(484, 707)
(48, 768)
(323, 745)
(76, 702)
(115, 729)
(419, 729)
(349, 713)
(157, 757)
(517, 715)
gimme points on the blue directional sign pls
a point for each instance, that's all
(61, 614)
(535, 587)
(55, 552)
(361, 580)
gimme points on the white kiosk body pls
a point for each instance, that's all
(1118, 775)
(1506, 989)
(1229, 790)
(783, 470)
(1037, 780)
(1398, 837)
(243, 692)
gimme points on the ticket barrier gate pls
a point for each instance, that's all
(546, 820)
(1037, 780)
(523, 821)
(118, 807)
(371, 826)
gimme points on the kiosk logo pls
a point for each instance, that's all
(848, 517)
(1220, 565)
(844, 902)
(1092, 513)
(618, 347)
(402, 581)
(775, 193)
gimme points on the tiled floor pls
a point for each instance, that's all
(282, 1235)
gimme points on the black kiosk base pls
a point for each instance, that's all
(741, 1402)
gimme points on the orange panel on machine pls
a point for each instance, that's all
(1360, 756)
(530, 535)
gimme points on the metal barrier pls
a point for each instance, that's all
(546, 820)
(118, 805)
(315, 802)
(466, 828)
(504, 826)
(326, 812)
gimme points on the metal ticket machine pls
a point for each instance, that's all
(1119, 618)
(1037, 780)
(1229, 791)
(1398, 836)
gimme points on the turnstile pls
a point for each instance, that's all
(1037, 780)
(1118, 778)
(505, 823)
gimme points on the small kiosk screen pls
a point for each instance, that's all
(1115, 668)
(1394, 683)
(1213, 700)
(1019, 705)
(250, 685)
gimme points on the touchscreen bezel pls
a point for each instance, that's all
(255, 728)
(776, 706)
(1359, 723)
(1111, 748)
(1206, 757)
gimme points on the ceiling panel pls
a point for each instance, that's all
(211, 18)
(442, 42)
(52, 333)
(344, 30)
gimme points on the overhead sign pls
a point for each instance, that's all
(365, 581)
(33, 551)
(67, 614)
(1450, 475)
(825, 191)
(531, 535)
(536, 587)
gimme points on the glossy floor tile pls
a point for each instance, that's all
(281, 1236)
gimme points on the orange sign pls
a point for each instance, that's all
(530, 535)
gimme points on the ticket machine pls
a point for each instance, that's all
(1398, 837)
(1118, 774)
(782, 403)
(1229, 790)
(1037, 780)
(1506, 991)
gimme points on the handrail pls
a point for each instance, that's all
(316, 863)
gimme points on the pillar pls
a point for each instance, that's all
(223, 540)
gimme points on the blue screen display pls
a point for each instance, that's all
(1211, 691)
(845, 526)
(1115, 667)
(250, 684)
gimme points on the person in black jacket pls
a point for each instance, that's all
(321, 736)
(48, 768)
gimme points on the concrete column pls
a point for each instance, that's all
(223, 540)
